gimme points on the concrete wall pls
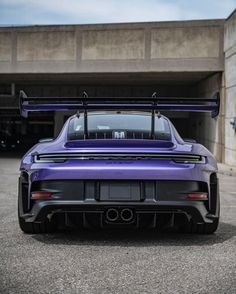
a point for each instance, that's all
(183, 46)
(230, 87)
(5, 47)
(45, 46)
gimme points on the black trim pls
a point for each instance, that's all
(194, 209)
(214, 194)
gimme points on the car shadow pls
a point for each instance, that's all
(136, 238)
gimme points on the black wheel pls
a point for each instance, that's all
(193, 228)
(36, 228)
(31, 227)
(206, 228)
(211, 228)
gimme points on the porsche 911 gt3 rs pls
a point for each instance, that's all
(118, 163)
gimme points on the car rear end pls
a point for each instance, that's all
(118, 168)
(133, 184)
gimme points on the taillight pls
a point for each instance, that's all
(197, 196)
(41, 195)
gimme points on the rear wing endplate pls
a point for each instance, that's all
(84, 103)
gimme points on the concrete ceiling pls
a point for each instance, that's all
(185, 78)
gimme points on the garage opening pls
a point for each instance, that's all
(197, 126)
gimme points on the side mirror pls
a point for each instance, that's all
(45, 140)
(189, 140)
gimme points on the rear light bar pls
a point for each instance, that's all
(177, 158)
(41, 195)
(197, 196)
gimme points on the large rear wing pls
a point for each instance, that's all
(84, 103)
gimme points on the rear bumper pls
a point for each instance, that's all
(194, 210)
(92, 199)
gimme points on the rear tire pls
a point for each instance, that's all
(211, 228)
(31, 227)
(205, 229)
(36, 228)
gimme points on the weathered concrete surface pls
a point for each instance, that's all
(225, 169)
(44, 46)
(230, 65)
(114, 44)
(185, 42)
(230, 88)
(230, 36)
(135, 47)
(5, 46)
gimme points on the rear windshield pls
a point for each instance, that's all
(118, 125)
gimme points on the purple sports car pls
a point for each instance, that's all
(118, 163)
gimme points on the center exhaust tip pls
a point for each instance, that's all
(112, 215)
(126, 214)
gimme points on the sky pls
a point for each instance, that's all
(30, 12)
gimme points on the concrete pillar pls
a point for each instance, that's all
(230, 88)
(222, 117)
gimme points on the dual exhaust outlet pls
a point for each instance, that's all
(114, 215)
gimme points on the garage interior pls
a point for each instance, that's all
(38, 125)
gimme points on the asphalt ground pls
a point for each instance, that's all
(114, 261)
